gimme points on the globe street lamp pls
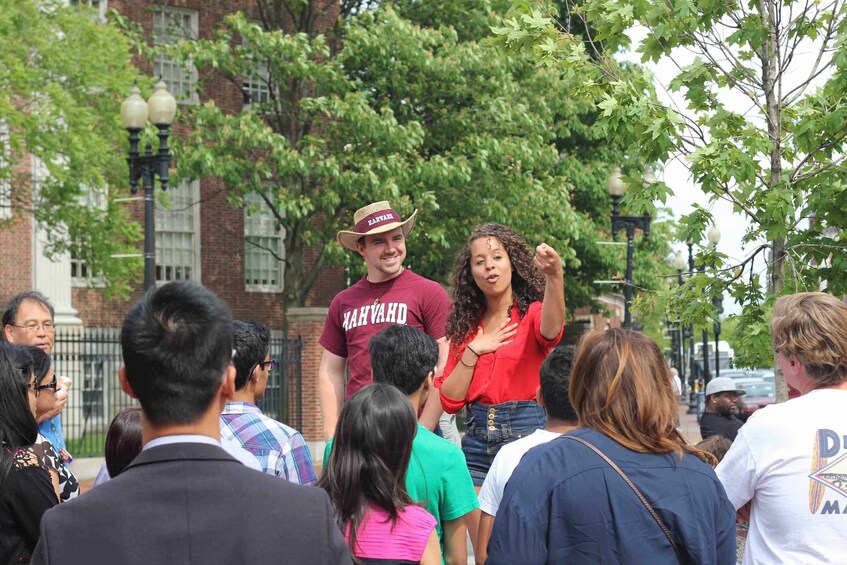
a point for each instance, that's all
(617, 187)
(135, 112)
(714, 236)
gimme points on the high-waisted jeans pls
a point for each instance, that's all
(491, 427)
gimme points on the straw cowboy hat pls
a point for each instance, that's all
(374, 218)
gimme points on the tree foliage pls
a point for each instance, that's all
(63, 75)
(410, 103)
(763, 127)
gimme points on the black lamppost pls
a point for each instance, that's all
(717, 301)
(160, 109)
(679, 265)
(617, 187)
(692, 399)
(706, 376)
(714, 236)
(671, 331)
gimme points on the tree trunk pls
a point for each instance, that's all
(770, 58)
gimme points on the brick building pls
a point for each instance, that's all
(198, 237)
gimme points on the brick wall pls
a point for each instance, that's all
(308, 324)
(221, 226)
(16, 261)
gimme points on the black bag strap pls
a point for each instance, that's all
(637, 492)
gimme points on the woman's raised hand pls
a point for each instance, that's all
(488, 343)
(547, 260)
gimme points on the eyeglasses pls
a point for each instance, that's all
(47, 327)
(270, 365)
(52, 385)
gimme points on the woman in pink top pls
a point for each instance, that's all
(365, 479)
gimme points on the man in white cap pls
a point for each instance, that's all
(388, 294)
(719, 414)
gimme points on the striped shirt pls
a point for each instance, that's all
(281, 450)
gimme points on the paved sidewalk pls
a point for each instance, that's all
(688, 425)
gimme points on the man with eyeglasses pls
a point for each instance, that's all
(28, 320)
(280, 449)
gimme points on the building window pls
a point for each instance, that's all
(178, 234)
(255, 87)
(171, 25)
(81, 274)
(264, 251)
(99, 6)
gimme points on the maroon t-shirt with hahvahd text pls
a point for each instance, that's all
(361, 311)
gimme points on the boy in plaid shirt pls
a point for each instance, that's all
(280, 449)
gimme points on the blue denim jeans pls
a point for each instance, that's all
(492, 427)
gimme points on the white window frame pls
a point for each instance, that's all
(161, 211)
(93, 199)
(255, 85)
(171, 34)
(102, 6)
(259, 223)
(5, 161)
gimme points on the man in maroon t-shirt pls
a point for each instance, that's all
(389, 294)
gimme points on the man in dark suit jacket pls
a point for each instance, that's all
(184, 500)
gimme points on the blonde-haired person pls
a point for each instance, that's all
(789, 459)
(566, 503)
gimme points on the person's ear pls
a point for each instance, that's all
(360, 248)
(125, 386)
(427, 384)
(538, 398)
(7, 330)
(228, 383)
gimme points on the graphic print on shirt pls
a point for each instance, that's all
(829, 473)
(382, 313)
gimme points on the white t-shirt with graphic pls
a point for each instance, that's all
(504, 464)
(790, 459)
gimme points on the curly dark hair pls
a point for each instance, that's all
(468, 299)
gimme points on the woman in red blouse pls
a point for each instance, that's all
(500, 331)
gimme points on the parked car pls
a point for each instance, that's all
(736, 373)
(766, 374)
(760, 393)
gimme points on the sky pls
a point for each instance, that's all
(675, 173)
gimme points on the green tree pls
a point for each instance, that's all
(408, 105)
(764, 128)
(62, 77)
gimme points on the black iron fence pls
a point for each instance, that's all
(91, 358)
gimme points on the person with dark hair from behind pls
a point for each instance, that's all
(25, 488)
(185, 492)
(438, 477)
(123, 440)
(42, 367)
(373, 445)
(280, 449)
(561, 418)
